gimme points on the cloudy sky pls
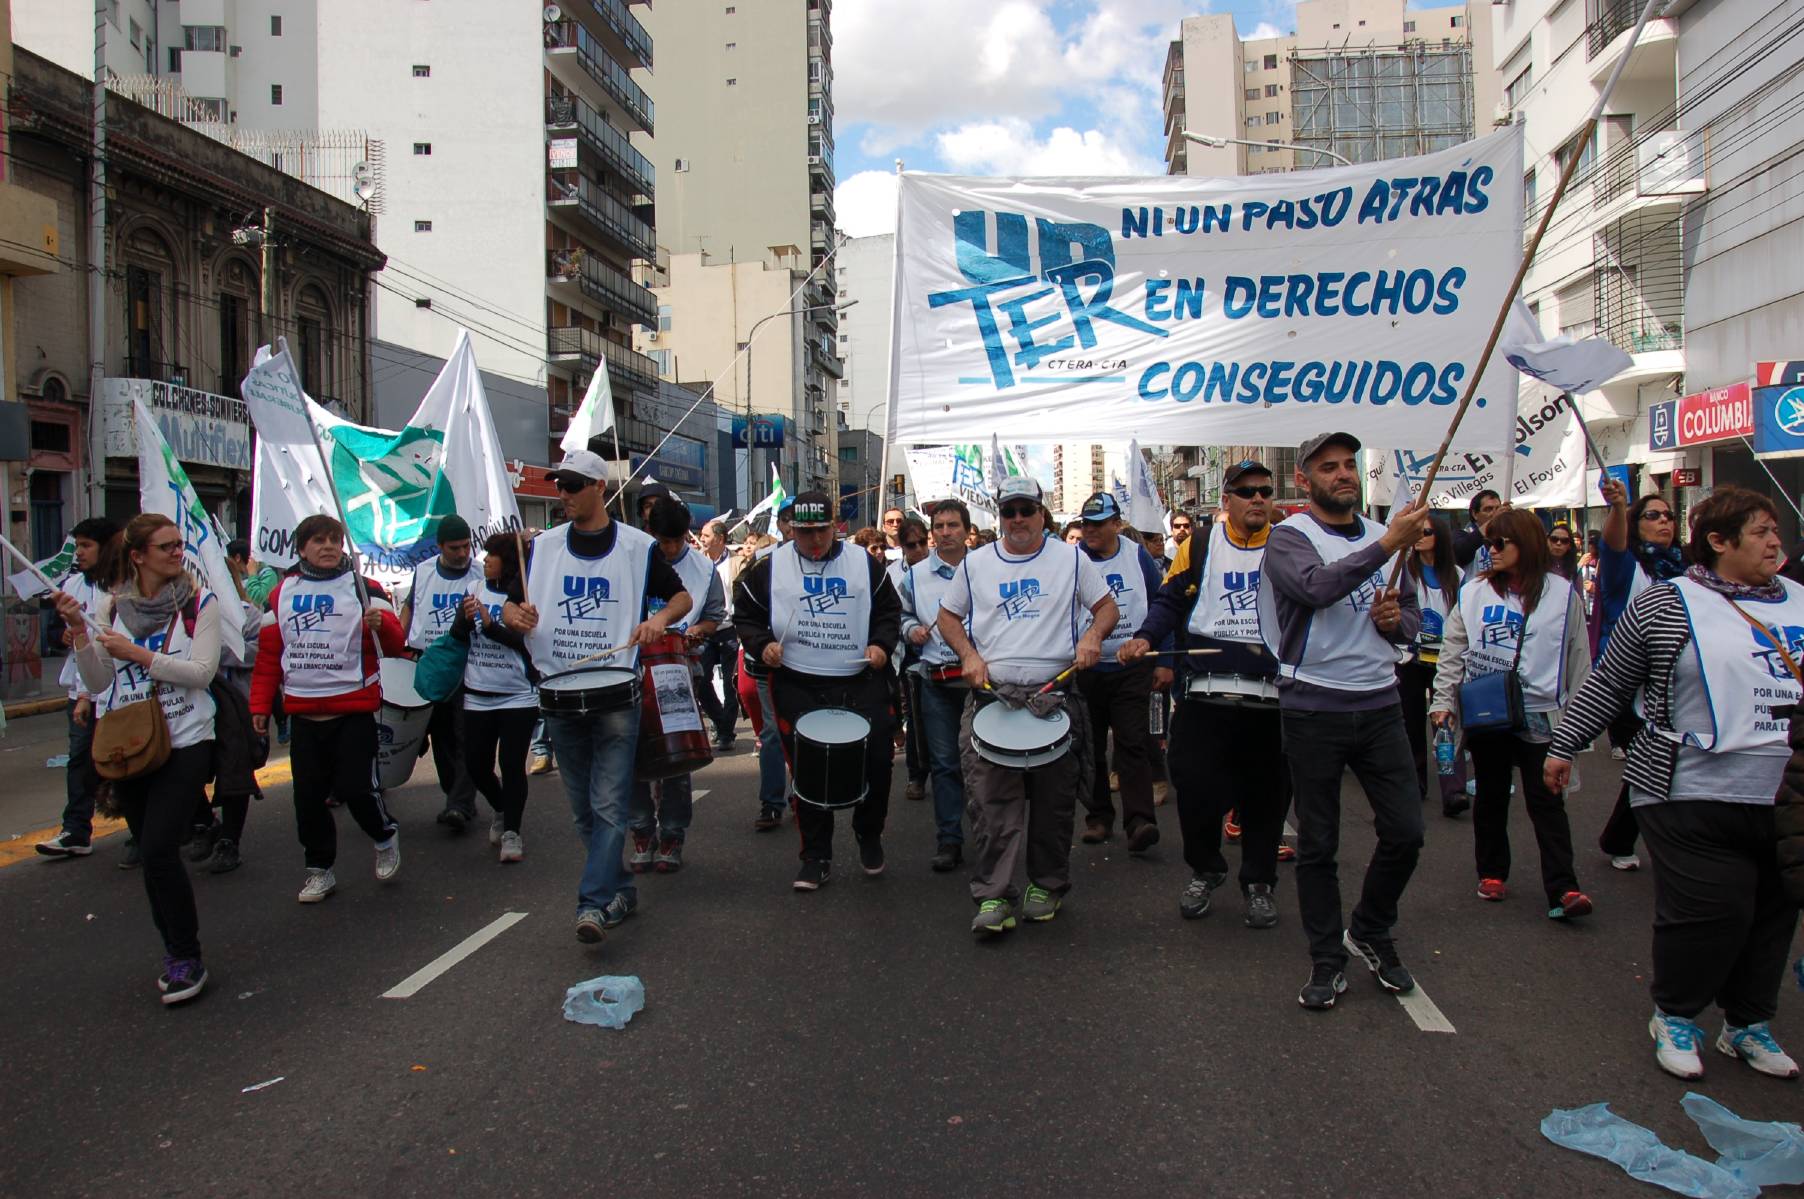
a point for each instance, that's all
(1015, 87)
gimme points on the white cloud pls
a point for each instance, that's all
(1011, 147)
(866, 204)
(1264, 30)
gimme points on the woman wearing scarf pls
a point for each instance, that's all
(1640, 547)
(1714, 655)
(1520, 617)
(161, 642)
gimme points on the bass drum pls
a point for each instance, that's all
(672, 736)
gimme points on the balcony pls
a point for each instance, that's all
(566, 115)
(820, 166)
(578, 60)
(602, 283)
(825, 361)
(588, 349)
(1608, 24)
(624, 36)
(574, 197)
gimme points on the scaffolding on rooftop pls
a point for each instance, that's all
(1370, 103)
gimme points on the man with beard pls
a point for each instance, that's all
(1325, 611)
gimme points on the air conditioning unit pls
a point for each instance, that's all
(814, 160)
(652, 337)
(814, 118)
(237, 51)
(682, 164)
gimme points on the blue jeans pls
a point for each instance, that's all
(541, 739)
(82, 781)
(595, 759)
(669, 815)
(773, 767)
(938, 714)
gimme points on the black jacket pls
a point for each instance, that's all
(1168, 616)
(751, 605)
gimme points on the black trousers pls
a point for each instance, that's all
(508, 730)
(445, 735)
(336, 758)
(1494, 756)
(1230, 756)
(158, 809)
(1321, 746)
(1621, 829)
(868, 694)
(720, 653)
(1117, 701)
(1722, 922)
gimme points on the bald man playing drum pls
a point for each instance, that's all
(1022, 596)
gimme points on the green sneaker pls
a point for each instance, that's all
(994, 916)
(1039, 904)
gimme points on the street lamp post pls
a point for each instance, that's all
(750, 340)
(1204, 139)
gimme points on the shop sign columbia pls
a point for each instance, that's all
(202, 428)
(1721, 414)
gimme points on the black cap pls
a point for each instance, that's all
(1243, 468)
(813, 510)
(653, 490)
(453, 528)
(1321, 441)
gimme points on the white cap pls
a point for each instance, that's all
(584, 463)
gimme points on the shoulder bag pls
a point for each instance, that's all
(1493, 702)
(133, 741)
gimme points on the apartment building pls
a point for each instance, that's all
(744, 151)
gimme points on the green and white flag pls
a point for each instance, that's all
(54, 568)
(771, 502)
(594, 416)
(163, 487)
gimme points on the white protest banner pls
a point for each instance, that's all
(394, 485)
(1549, 473)
(1256, 309)
(163, 487)
(1145, 510)
(963, 472)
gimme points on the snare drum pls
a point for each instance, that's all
(1232, 688)
(951, 674)
(597, 689)
(1016, 737)
(830, 746)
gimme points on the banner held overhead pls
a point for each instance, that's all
(1242, 310)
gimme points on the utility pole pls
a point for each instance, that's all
(269, 279)
(97, 273)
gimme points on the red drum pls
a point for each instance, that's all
(672, 739)
(953, 673)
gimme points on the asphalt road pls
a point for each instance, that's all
(854, 1041)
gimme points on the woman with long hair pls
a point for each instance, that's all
(161, 643)
(501, 700)
(1431, 565)
(1519, 618)
(1562, 551)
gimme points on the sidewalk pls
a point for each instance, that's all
(28, 687)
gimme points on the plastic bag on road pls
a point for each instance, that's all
(1763, 1152)
(609, 1001)
(1596, 1130)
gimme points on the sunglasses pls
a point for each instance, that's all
(572, 486)
(913, 545)
(1497, 544)
(1247, 493)
(1019, 511)
(1656, 514)
(1179, 524)
(1559, 541)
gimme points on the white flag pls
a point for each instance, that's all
(1574, 367)
(594, 416)
(55, 568)
(163, 487)
(1144, 511)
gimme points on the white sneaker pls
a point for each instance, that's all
(1676, 1042)
(320, 883)
(1625, 861)
(64, 845)
(497, 827)
(1755, 1046)
(388, 858)
(513, 849)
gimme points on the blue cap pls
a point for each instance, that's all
(1100, 507)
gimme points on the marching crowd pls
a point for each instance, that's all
(1025, 673)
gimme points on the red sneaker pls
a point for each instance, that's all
(639, 860)
(1230, 829)
(1286, 852)
(1492, 889)
(1573, 904)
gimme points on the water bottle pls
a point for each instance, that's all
(1155, 714)
(1444, 750)
(1572, 784)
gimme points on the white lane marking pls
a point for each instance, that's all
(698, 794)
(414, 983)
(1289, 831)
(1422, 1010)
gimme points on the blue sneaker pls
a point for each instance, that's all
(1676, 1042)
(624, 904)
(1755, 1046)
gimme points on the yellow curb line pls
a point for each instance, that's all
(24, 847)
(35, 707)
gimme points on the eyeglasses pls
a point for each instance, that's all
(1559, 541)
(1179, 524)
(1019, 511)
(1656, 514)
(168, 547)
(572, 486)
(1247, 493)
(1497, 544)
(916, 544)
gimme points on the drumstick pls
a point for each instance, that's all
(1058, 678)
(1156, 652)
(598, 656)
